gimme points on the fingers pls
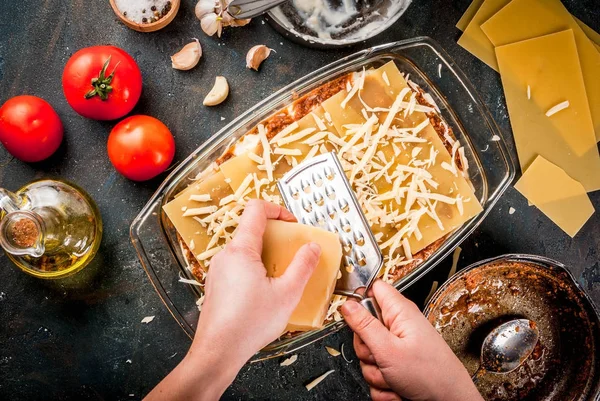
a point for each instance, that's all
(383, 395)
(374, 334)
(373, 376)
(296, 276)
(392, 303)
(362, 351)
(253, 222)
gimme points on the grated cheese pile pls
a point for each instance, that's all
(389, 155)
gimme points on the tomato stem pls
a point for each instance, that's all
(101, 84)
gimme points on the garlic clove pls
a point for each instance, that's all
(210, 23)
(204, 7)
(256, 56)
(188, 57)
(218, 93)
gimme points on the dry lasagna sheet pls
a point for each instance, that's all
(407, 169)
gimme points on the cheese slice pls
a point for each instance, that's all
(549, 65)
(475, 40)
(562, 199)
(527, 19)
(469, 14)
(281, 241)
(195, 235)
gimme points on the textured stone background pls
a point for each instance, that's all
(71, 340)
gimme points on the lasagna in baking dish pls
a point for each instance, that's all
(409, 172)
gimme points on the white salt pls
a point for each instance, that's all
(137, 10)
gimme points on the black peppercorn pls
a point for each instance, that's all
(144, 20)
(153, 8)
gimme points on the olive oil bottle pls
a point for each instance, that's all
(49, 228)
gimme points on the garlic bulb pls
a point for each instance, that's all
(218, 93)
(188, 57)
(214, 15)
(256, 56)
(204, 7)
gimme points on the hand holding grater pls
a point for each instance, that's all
(318, 193)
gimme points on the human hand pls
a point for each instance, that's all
(243, 309)
(405, 356)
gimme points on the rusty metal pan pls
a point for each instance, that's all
(564, 365)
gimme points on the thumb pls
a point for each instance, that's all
(370, 330)
(296, 276)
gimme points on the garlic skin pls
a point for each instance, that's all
(218, 93)
(211, 24)
(256, 55)
(188, 57)
(204, 7)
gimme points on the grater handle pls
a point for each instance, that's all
(371, 305)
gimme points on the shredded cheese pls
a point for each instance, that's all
(555, 109)
(197, 211)
(318, 380)
(200, 198)
(262, 134)
(284, 132)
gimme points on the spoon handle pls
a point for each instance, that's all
(477, 375)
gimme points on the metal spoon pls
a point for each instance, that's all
(507, 347)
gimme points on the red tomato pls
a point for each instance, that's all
(30, 129)
(102, 82)
(141, 147)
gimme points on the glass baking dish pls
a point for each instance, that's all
(491, 171)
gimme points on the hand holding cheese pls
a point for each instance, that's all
(244, 309)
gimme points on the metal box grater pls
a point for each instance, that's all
(318, 193)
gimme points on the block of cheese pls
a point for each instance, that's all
(557, 195)
(475, 40)
(549, 67)
(194, 234)
(466, 18)
(527, 19)
(281, 241)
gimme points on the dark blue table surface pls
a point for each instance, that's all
(82, 339)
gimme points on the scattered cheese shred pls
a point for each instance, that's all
(188, 281)
(197, 211)
(511, 210)
(344, 355)
(555, 109)
(333, 351)
(434, 287)
(262, 134)
(209, 253)
(289, 360)
(385, 78)
(455, 258)
(319, 122)
(284, 132)
(296, 136)
(528, 92)
(200, 198)
(255, 158)
(495, 138)
(318, 380)
(287, 152)
(147, 319)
